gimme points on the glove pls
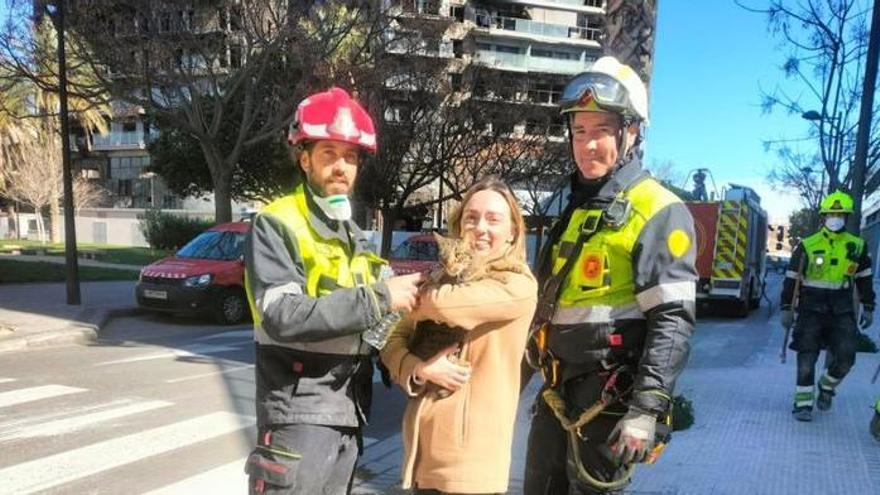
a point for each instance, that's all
(867, 319)
(633, 437)
(786, 317)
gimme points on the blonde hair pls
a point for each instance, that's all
(517, 249)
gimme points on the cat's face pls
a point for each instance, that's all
(456, 255)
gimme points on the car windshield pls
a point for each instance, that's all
(214, 245)
(415, 250)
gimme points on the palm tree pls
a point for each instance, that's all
(30, 140)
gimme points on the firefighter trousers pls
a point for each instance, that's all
(837, 332)
(550, 469)
(300, 459)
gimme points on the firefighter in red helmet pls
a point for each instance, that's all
(314, 289)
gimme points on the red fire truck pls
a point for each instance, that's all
(731, 246)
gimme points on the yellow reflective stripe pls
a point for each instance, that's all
(665, 293)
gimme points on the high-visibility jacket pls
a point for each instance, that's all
(833, 263)
(630, 296)
(312, 288)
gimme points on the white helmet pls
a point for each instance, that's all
(608, 86)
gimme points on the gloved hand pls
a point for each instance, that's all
(786, 317)
(867, 319)
(633, 437)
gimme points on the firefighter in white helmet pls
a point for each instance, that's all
(617, 303)
(314, 288)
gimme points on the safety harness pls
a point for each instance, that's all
(613, 215)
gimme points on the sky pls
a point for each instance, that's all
(712, 58)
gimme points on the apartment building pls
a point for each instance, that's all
(520, 53)
(118, 159)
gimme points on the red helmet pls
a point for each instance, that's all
(334, 115)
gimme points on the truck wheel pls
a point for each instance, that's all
(740, 307)
(231, 308)
(755, 300)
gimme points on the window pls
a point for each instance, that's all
(235, 56)
(165, 22)
(457, 48)
(129, 126)
(455, 81)
(506, 49)
(457, 11)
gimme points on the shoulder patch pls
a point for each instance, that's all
(678, 243)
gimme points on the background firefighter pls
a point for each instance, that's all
(314, 288)
(834, 261)
(618, 297)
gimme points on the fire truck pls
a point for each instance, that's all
(731, 245)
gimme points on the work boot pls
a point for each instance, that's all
(804, 414)
(823, 402)
(875, 426)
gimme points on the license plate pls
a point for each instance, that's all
(155, 294)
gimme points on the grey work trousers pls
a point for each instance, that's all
(299, 459)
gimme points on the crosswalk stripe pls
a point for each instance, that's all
(39, 427)
(247, 335)
(203, 375)
(227, 479)
(14, 397)
(201, 349)
(6, 380)
(47, 472)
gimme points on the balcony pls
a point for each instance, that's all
(118, 141)
(594, 6)
(427, 8)
(496, 24)
(524, 63)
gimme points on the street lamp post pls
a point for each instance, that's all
(864, 133)
(71, 262)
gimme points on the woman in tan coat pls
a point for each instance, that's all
(462, 443)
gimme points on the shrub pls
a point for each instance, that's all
(170, 232)
(865, 344)
(682, 413)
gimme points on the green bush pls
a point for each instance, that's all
(865, 344)
(167, 231)
(682, 413)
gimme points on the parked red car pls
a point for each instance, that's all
(206, 276)
(418, 253)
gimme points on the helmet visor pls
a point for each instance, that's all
(607, 92)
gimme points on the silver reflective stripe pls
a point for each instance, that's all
(668, 292)
(821, 284)
(347, 344)
(867, 272)
(275, 293)
(791, 274)
(596, 314)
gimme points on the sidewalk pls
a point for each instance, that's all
(744, 439)
(34, 315)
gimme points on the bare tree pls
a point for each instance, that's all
(31, 103)
(629, 33)
(826, 44)
(193, 67)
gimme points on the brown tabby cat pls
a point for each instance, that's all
(459, 264)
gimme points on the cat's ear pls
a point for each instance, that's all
(443, 243)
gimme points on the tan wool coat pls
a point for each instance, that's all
(462, 444)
